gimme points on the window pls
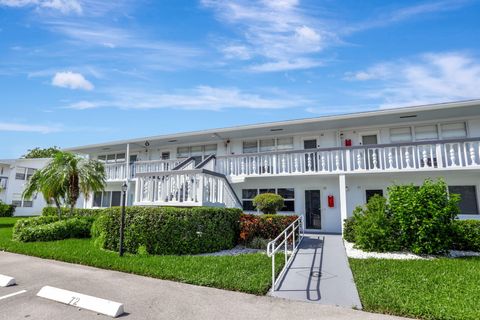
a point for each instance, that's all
(107, 199)
(285, 143)
(401, 134)
(468, 198)
(112, 158)
(268, 145)
(288, 195)
(247, 199)
(165, 155)
(454, 130)
(250, 146)
(116, 199)
(20, 173)
(310, 144)
(197, 151)
(30, 172)
(371, 192)
(18, 201)
(426, 132)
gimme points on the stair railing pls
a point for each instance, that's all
(288, 234)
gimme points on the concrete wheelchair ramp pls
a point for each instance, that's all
(319, 273)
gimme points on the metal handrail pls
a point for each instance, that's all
(272, 247)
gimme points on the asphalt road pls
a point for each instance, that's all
(144, 298)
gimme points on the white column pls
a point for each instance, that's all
(127, 173)
(343, 198)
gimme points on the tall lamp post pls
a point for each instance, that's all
(122, 221)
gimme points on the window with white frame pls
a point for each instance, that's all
(267, 145)
(288, 194)
(468, 198)
(112, 157)
(403, 134)
(22, 173)
(454, 130)
(197, 151)
(18, 201)
(426, 132)
(107, 199)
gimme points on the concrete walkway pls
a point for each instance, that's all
(144, 298)
(320, 273)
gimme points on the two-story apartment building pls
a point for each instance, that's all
(324, 167)
(14, 174)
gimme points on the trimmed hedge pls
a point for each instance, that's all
(466, 235)
(263, 226)
(77, 212)
(168, 230)
(6, 210)
(50, 229)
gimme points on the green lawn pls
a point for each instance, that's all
(249, 273)
(427, 289)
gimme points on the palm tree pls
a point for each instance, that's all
(69, 175)
(37, 183)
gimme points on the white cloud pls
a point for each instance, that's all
(18, 127)
(71, 80)
(198, 98)
(240, 52)
(429, 78)
(297, 64)
(277, 31)
(64, 6)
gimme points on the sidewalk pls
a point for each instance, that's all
(320, 273)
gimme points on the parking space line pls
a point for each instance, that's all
(13, 294)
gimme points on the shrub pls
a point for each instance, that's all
(258, 243)
(424, 216)
(77, 212)
(168, 230)
(268, 203)
(50, 229)
(6, 210)
(349, 226)
(262, 226)
(375, 227)
(466, 235)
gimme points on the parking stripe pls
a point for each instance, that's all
(13, 294)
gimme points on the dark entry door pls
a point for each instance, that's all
(313, 212)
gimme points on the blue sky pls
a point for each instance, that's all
(76, 72)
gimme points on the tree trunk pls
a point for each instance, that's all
(59, 209)
(74, 192)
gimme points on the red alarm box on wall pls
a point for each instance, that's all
(331, 201)
(348, 142)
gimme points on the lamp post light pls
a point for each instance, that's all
(122, 221)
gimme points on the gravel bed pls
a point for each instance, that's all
(360, 254)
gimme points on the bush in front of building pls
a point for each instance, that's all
(6, 210)
(374, 227)
(262, 226)
(77, 212)
(417, 219)
(466, 235)
(424, 216)
(349, 226)
(50, 228)
(169, 230)
(268, 203)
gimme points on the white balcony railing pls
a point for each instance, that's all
(428, 155)
(118, 171)
(198, 187)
